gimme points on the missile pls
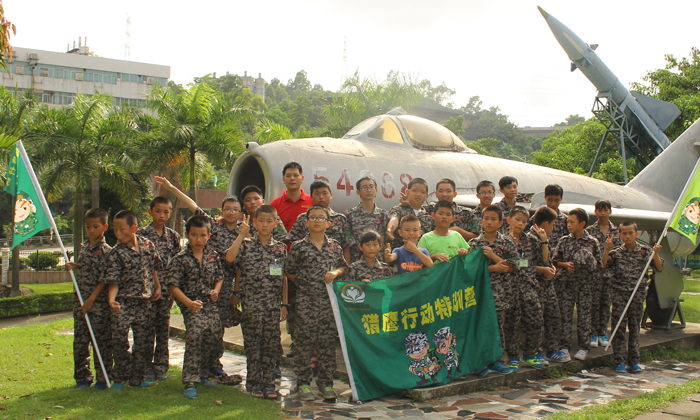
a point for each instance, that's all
(648, 116)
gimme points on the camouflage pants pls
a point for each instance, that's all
(223, 305)
(570, 293)
(261, 337)
(528, 317)
(100, 320)
(136, 314)
(203, 335)
(502, 294)
(160, 358)
(600, 307)
(291, 310)
(551, 316)
(315, 335)
(631, 321)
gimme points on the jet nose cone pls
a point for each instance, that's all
(544, 14)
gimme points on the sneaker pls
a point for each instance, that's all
(558, 356)
(207, 382)
(216, 372)
(83, 384)
(621, 368)
(145, 384)
(635, 368)
(100, 385)
(566, 356)
(118, 387)
(328, 393)
(541, 359)
(604, 341)
(500, 368)
(594, 341)
(190, 391)
(533, 361)
(278, 372)
(514, 364)
(481, 372)
(581, 354)
(305, 393)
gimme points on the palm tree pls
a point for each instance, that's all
(88, 141)
(192, 124)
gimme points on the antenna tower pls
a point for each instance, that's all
(127, 44)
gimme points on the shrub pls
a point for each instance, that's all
(43, 260)
(35, 303)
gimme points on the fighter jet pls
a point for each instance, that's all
(649, 117)
(397, 148)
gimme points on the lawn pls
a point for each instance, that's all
(36, 381)
(49, 287)
(691, 307)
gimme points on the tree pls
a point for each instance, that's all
(7, 29)
(678, 83)
(194, 123)
(570, 120)
(89, 140)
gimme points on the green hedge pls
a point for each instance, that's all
(42, 260)
(35, 303)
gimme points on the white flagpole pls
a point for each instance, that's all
(661, 237)
(45, 206)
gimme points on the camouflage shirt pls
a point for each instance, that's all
(505, 207)
(504, 247)
(220, 241)
(528, 246)
(568, 246)
(167, 245)
(360, 270)
(560, 229)
(279, 233)
(133, 270)
(262, 268)
(310, 265)
(626, 266)
(475, 221)
(195, 280)
(338, 230)
(463, 215)
(91, 266)
(597, 233)
(427, 223)
(359, 221)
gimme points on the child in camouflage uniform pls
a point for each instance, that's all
(321, 194)
(425, 364)
(262, 289)
(502, 257)
(577, 256)
(88, 270)
(313, 261)
(369, 267)
(553, 195)
(626, 264)
(508, 186)
(251, 198)
(133, 284)
(194, 277)
(416, 194)
(485, 192)
(528, 308)
(366, 215)
(446, 190)
(601, 298)
(167, 242)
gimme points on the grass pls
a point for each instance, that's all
(36, 381)
(691, 307)
(691, 285)
(43, 289)
(631, 407)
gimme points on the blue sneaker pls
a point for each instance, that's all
(635, 368)
(500, 368)
(604, 341)
(481, 372)
(207, 382)
(118, 387)
(146, 384)
(621, 368)
(557, 356)
(83, 384)
(594, 341)
(216, 372)
(540, 358)
(100, 385)
(514, 364)
(190, 391)
(533, 361)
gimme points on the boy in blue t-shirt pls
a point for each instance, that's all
(408, 257)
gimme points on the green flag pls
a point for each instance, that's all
(30, 217)
(423, 328)
(687, 214)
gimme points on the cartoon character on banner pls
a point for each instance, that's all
(25, 215)
(688, 222)
(446, 343)
(425, 363)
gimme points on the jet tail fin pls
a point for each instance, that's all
(665, 177)
(663, 113)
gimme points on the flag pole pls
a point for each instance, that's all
(45, 206)
(661, 237)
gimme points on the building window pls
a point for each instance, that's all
(43, 72)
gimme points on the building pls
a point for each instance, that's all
(57, 77)
(257, 86)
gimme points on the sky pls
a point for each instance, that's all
(500, 50)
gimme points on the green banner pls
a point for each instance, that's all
(685, 219)
(423, 328)
(30, 218)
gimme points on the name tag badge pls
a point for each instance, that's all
(524, 263)
(275, 269)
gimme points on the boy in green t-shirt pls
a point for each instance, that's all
(443, 243)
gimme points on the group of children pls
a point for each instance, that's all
(540, 267)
